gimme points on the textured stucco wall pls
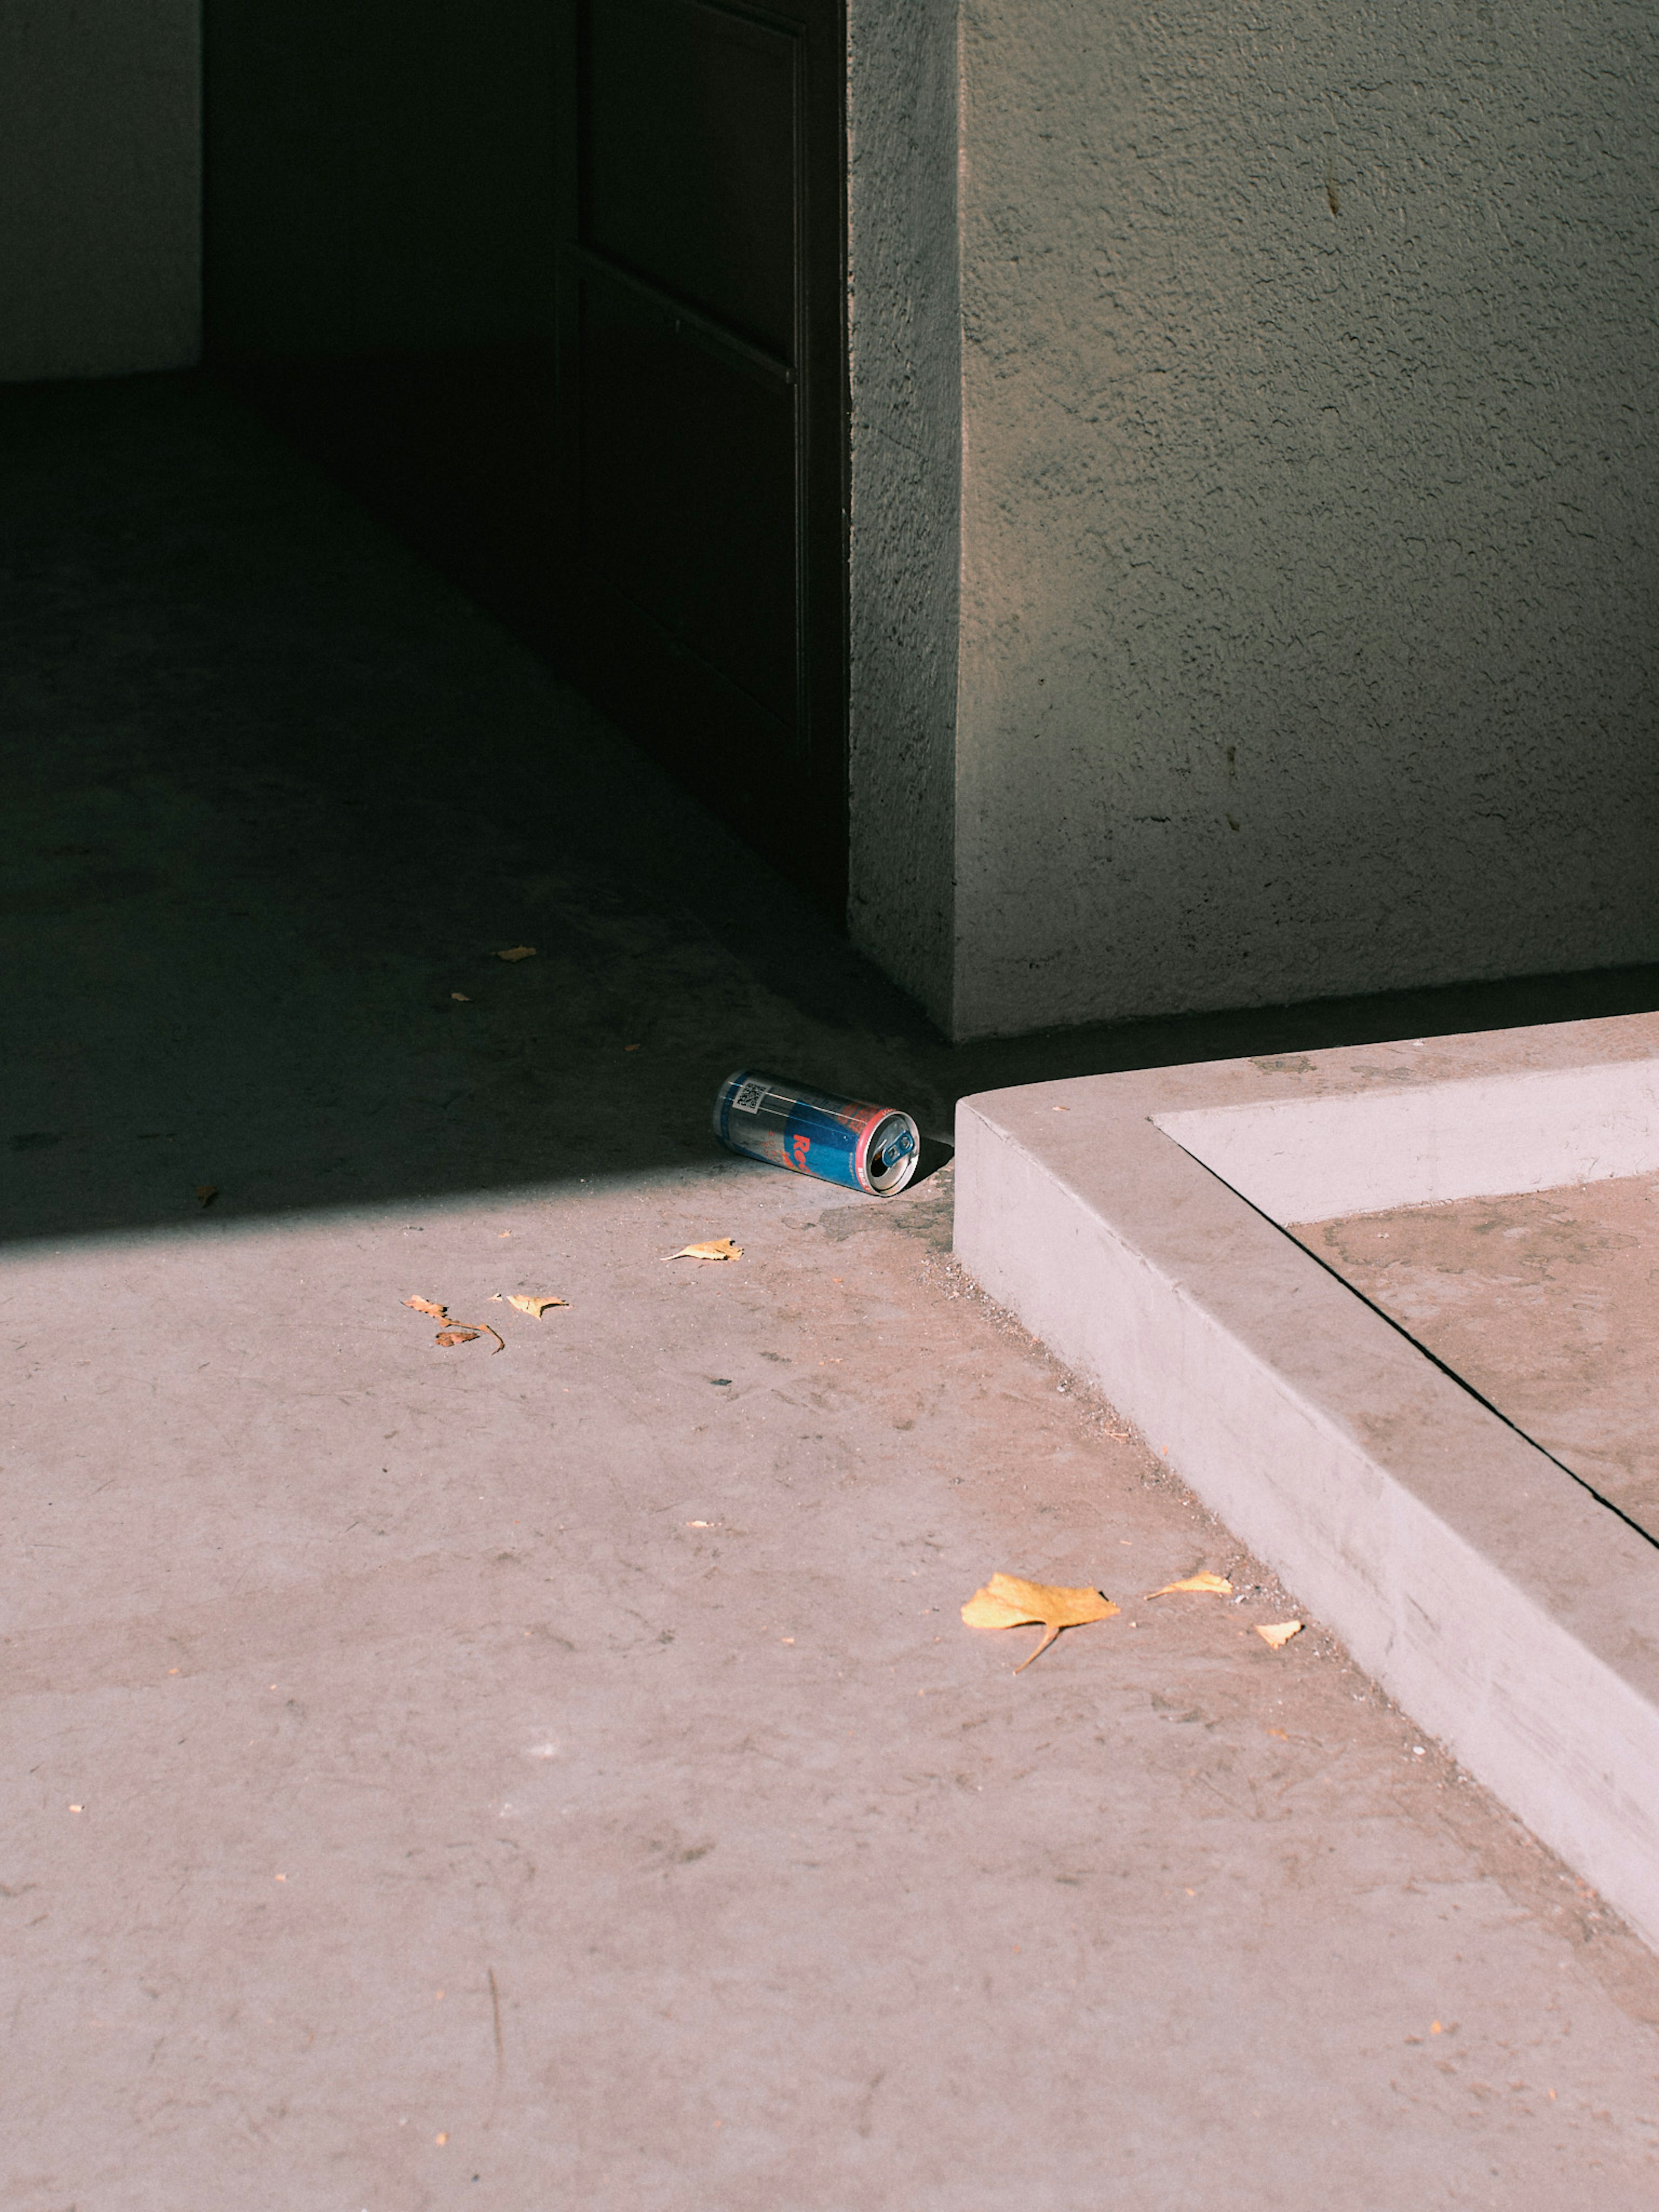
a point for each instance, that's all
(906, 474)
(1308, 510)
(99, 186)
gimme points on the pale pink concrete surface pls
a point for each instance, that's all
(856, 1923)
(575, 1754)
(1132, 1219)
(1545, 1302)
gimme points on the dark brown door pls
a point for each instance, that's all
(701, 401)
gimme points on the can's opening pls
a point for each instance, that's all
(893, 1152)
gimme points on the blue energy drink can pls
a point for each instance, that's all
(870, 1148)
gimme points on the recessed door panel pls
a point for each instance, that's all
(691, 158)
(688, 490)
(702, 400)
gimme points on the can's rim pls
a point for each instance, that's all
(888, 1182)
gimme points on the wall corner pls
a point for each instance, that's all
(904, 339)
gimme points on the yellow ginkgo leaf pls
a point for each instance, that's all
(535, 1307)
(1279, 1634)
(1214, 1585)
(1008, 1601)
(718, 1247)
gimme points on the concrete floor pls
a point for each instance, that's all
(560, 1776)
(1543, 1301)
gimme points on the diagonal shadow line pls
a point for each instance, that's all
(1417, 1344)
(275, 792)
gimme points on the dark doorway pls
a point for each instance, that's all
(559, 293)
(381, 232)
(702, 404)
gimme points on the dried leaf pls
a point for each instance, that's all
(1279, 1634)
(1007, 1602)
(206, 1192)
(1214, 1585)
(720, 1247)
(456, 1332)
(460, 998)
(518, 953)
(464, 1332)
(537, 1306)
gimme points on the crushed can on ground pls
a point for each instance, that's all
(874, 1149)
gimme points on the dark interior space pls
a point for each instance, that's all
(278, 792)
(558, 292)
(381, 221)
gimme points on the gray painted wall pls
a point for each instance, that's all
(1308, 477)
(904, 319)
(99, 186)
(380, 174)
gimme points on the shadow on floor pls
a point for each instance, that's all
(277, 797)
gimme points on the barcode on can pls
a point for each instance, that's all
(748, 1098)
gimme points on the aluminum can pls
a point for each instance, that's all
(868, 1148)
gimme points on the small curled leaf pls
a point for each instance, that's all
(1278, 1633)
(1212, 1585)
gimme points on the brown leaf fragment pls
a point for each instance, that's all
(206, 1192)
(1007, 1602)
(1214, 1585)
(518, 953)
(426, 1306)
(718, 1247)
(464, 1332)
(535, 1307)
(1278, 1633)
(460, 998)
